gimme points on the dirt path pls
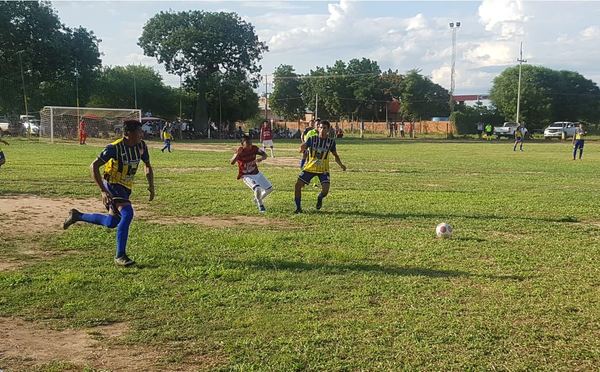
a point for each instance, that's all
(25, 345)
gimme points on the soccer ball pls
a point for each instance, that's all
(443, 230)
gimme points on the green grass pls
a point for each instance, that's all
(362, 285)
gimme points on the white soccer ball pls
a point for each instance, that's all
(443, 230)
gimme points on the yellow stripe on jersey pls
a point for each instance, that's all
(579, 135)
(318, 154)
(122, 169)
(167, 136)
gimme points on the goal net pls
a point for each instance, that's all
(63, 122)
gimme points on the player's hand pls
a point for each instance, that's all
(105, 198)
(151, 197)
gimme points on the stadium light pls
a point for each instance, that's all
(453, 26)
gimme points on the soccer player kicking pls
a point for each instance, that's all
(121, 160)
(245, 156)
(317, 164)
(578, 141)
(2, 157)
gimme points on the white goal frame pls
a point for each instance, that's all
(81, 112)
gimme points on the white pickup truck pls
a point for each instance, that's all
(4, 124)
(556, 129)
(506, 130)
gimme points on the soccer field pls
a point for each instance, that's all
(362, 284)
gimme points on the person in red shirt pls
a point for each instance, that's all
(266, 136)
(82, 133)
(245, 156)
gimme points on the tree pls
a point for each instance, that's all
(53, 56)
(546, 96)
(286, 99)
(231, 98)
(115, 88)
(199, 45)
(421, 98)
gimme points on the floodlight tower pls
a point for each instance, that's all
(453, 26)
(521, 61)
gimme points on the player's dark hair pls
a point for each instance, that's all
(325, 122)
(131, 126)
(246, 138)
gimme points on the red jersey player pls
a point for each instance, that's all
(82, 133)
(266, 136)
(245, 156)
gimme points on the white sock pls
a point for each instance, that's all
(272, 153)
(258, 195)
(265, 193)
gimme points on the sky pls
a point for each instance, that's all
(400, 35)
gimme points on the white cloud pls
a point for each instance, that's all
(591, 33)
(505, 18)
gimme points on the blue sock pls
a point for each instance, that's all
(107, 220)
(574, 152)
(302, 163)
(298, 202)
(320, 197)
(123, 229)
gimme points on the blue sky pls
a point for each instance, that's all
(398, 34)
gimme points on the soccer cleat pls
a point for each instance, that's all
(124, 261)
(319, 203)
(262, 209)
(74, 216)
(298, 211)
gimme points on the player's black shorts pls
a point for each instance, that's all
(2, 157)
(307, 176)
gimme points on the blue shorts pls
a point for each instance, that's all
(579, 144)
(2, 157)
(518, 139)
(307, 176)
(119, 194)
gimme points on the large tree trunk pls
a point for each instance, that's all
(201, 115)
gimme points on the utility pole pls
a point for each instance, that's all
(20, 52)
(134, 90)
(521, 61)
(266, 96)
(317, 106)
(454, 27)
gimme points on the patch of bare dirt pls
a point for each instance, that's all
(26, 345)
(283, 161)
(191, 169)
(196, 146)
(27, 215)
(221, 222)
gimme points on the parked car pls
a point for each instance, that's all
(32, 126)
(556, 130)
(4, 125)
(506, 130)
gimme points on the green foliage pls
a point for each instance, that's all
(546, 96)
(199, 45)
(115, 88)
(286, 99)
(52, 56)
(421, 98)
(465, 118)
(361, 285)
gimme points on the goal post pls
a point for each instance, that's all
(63, 122)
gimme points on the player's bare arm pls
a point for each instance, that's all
(263, 156)
(234, 159)
(338, 160)
(95, 168)
(150, 179)
(302, 148)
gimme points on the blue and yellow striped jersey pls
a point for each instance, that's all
(122, 161)
(167, 135)
(579, 134)
(318, 150)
